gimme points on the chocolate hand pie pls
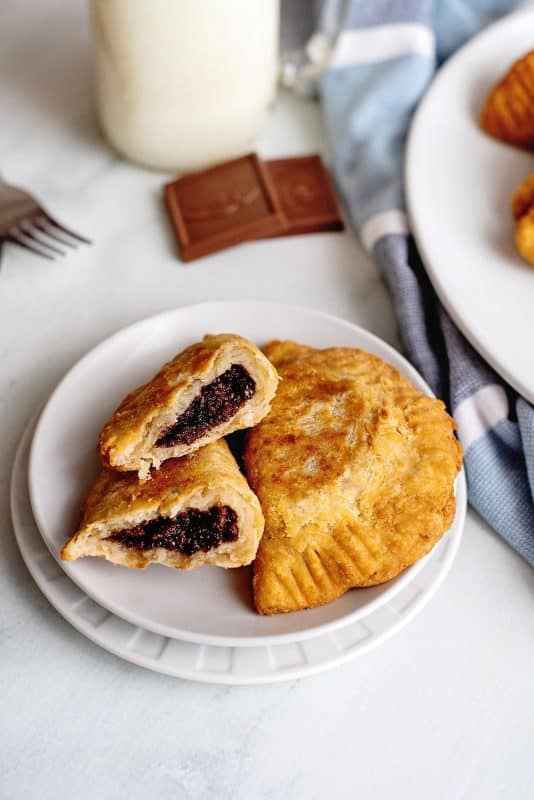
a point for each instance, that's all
(219, 385)
(195, 510)
(354, 469)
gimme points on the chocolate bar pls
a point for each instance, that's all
(222, 206)
(247, 199)
(306, 195)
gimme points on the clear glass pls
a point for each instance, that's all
(184, 83)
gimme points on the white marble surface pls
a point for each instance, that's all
(444, 710)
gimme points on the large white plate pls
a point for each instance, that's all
(210, 605)
(459, 183)
(207, 663)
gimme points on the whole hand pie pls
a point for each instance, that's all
(508, 113)
(196, 510)
(354, 469)
(219, 385)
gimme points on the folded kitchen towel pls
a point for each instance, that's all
(372, 63)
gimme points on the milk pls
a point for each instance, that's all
(184, 83)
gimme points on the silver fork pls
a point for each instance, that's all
(23, 221)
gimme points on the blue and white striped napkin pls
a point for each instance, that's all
(373, 62)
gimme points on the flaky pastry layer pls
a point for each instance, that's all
(206, 478)
(128, 439)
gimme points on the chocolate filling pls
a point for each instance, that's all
(188, 532)
(216, 403)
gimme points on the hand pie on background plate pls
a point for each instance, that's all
(508, 113)
(354, 469)
(195, 510)
(217, 386)
(522, 204)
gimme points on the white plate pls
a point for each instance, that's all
(210, 605)
(458, 184)
(210, 664)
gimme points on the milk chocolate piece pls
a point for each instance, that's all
(216, 208)
(306, 194)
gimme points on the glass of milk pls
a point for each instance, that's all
(184, 83)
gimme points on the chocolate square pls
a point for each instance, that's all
(306, 194)
(227, 204)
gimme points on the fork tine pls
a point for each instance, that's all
(61, 227)
(41, 224)
(30, 233)
(16, 240)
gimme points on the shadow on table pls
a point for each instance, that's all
(47, 68)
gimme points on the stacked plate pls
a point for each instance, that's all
(459, 183)
(201, 624)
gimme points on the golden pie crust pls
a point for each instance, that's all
(128, 439)
(206, 478)
(523, 197)
(354, 469)
(522, 204)
(508, 113)
(524, 236)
